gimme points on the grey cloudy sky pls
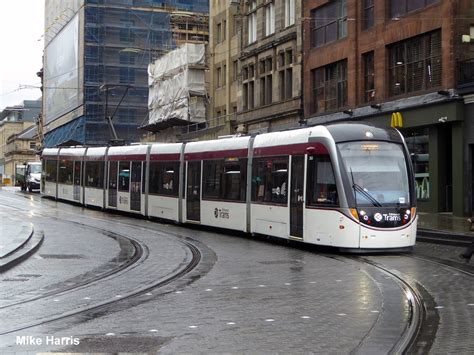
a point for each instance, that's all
(21, 40)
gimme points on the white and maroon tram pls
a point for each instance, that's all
(347, 185)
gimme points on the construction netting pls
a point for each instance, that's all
(177, 86)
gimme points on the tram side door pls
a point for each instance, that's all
(193, 191)
(296, 196)
(112, 186)
(135, 188)
(77, 181)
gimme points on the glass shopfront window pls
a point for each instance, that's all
(418, 145)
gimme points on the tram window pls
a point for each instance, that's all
(164, 178)
(225, 179)
(124, 176)
(65, 172)
(270, 180)
(321, 184)
(50, 170)
(95, 174)
(144, 177)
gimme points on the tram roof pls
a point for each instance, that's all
(233, 143)
(289, 137)
(127, 150)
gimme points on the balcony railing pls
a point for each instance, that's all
(466, 74)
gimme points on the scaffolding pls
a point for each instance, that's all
(119, 42)
(177, 88)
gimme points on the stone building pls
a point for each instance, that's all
(367, 60)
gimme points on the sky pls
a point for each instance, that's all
(21, 43)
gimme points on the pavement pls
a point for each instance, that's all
(18, 239)
(445, 223)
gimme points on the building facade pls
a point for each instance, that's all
(14, 120)
(20, 149)
(368, 60)
(269, 92)
(95, 63)
(224, 49)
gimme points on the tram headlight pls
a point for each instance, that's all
(413, 212)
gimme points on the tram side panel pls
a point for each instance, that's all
(163, 189)
(49, 177)
(269, 201)
(94, 183)
(216, 183)
(325, 222)
(69, 174)
(224, 193)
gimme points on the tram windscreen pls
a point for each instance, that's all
(377, 172)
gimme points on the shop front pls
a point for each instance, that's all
(435, 137)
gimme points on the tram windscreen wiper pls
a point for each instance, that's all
(366, 194)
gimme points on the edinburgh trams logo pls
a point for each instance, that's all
(221, 213)
(387, 217)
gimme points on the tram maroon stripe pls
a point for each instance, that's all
(70, 157)
(166, 157)
(94, 158)
(290, 149)
(220, 154)
(128, 157)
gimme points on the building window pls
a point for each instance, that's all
(248, 77)
(418, 144)
(269, 19)
(270, 180)
(224, 75)
(289, 12)
(252, 22)
(330, 87)
(219, 77)
(415, 64)
(329, 23)
(218, 33)
(224, 30)
(368, 14)
(285, 74)
(266, 85)
(127, 33)
(369, 82)
(399, 8)
(235, 70)
(32, 145)
(127, 58)
(127, 75)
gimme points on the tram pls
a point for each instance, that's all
(346, 185)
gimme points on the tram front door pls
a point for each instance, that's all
(296, 196)
(193, 191)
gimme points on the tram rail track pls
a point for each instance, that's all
(415, 329)
(140, 254)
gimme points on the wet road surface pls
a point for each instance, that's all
(115, 283)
